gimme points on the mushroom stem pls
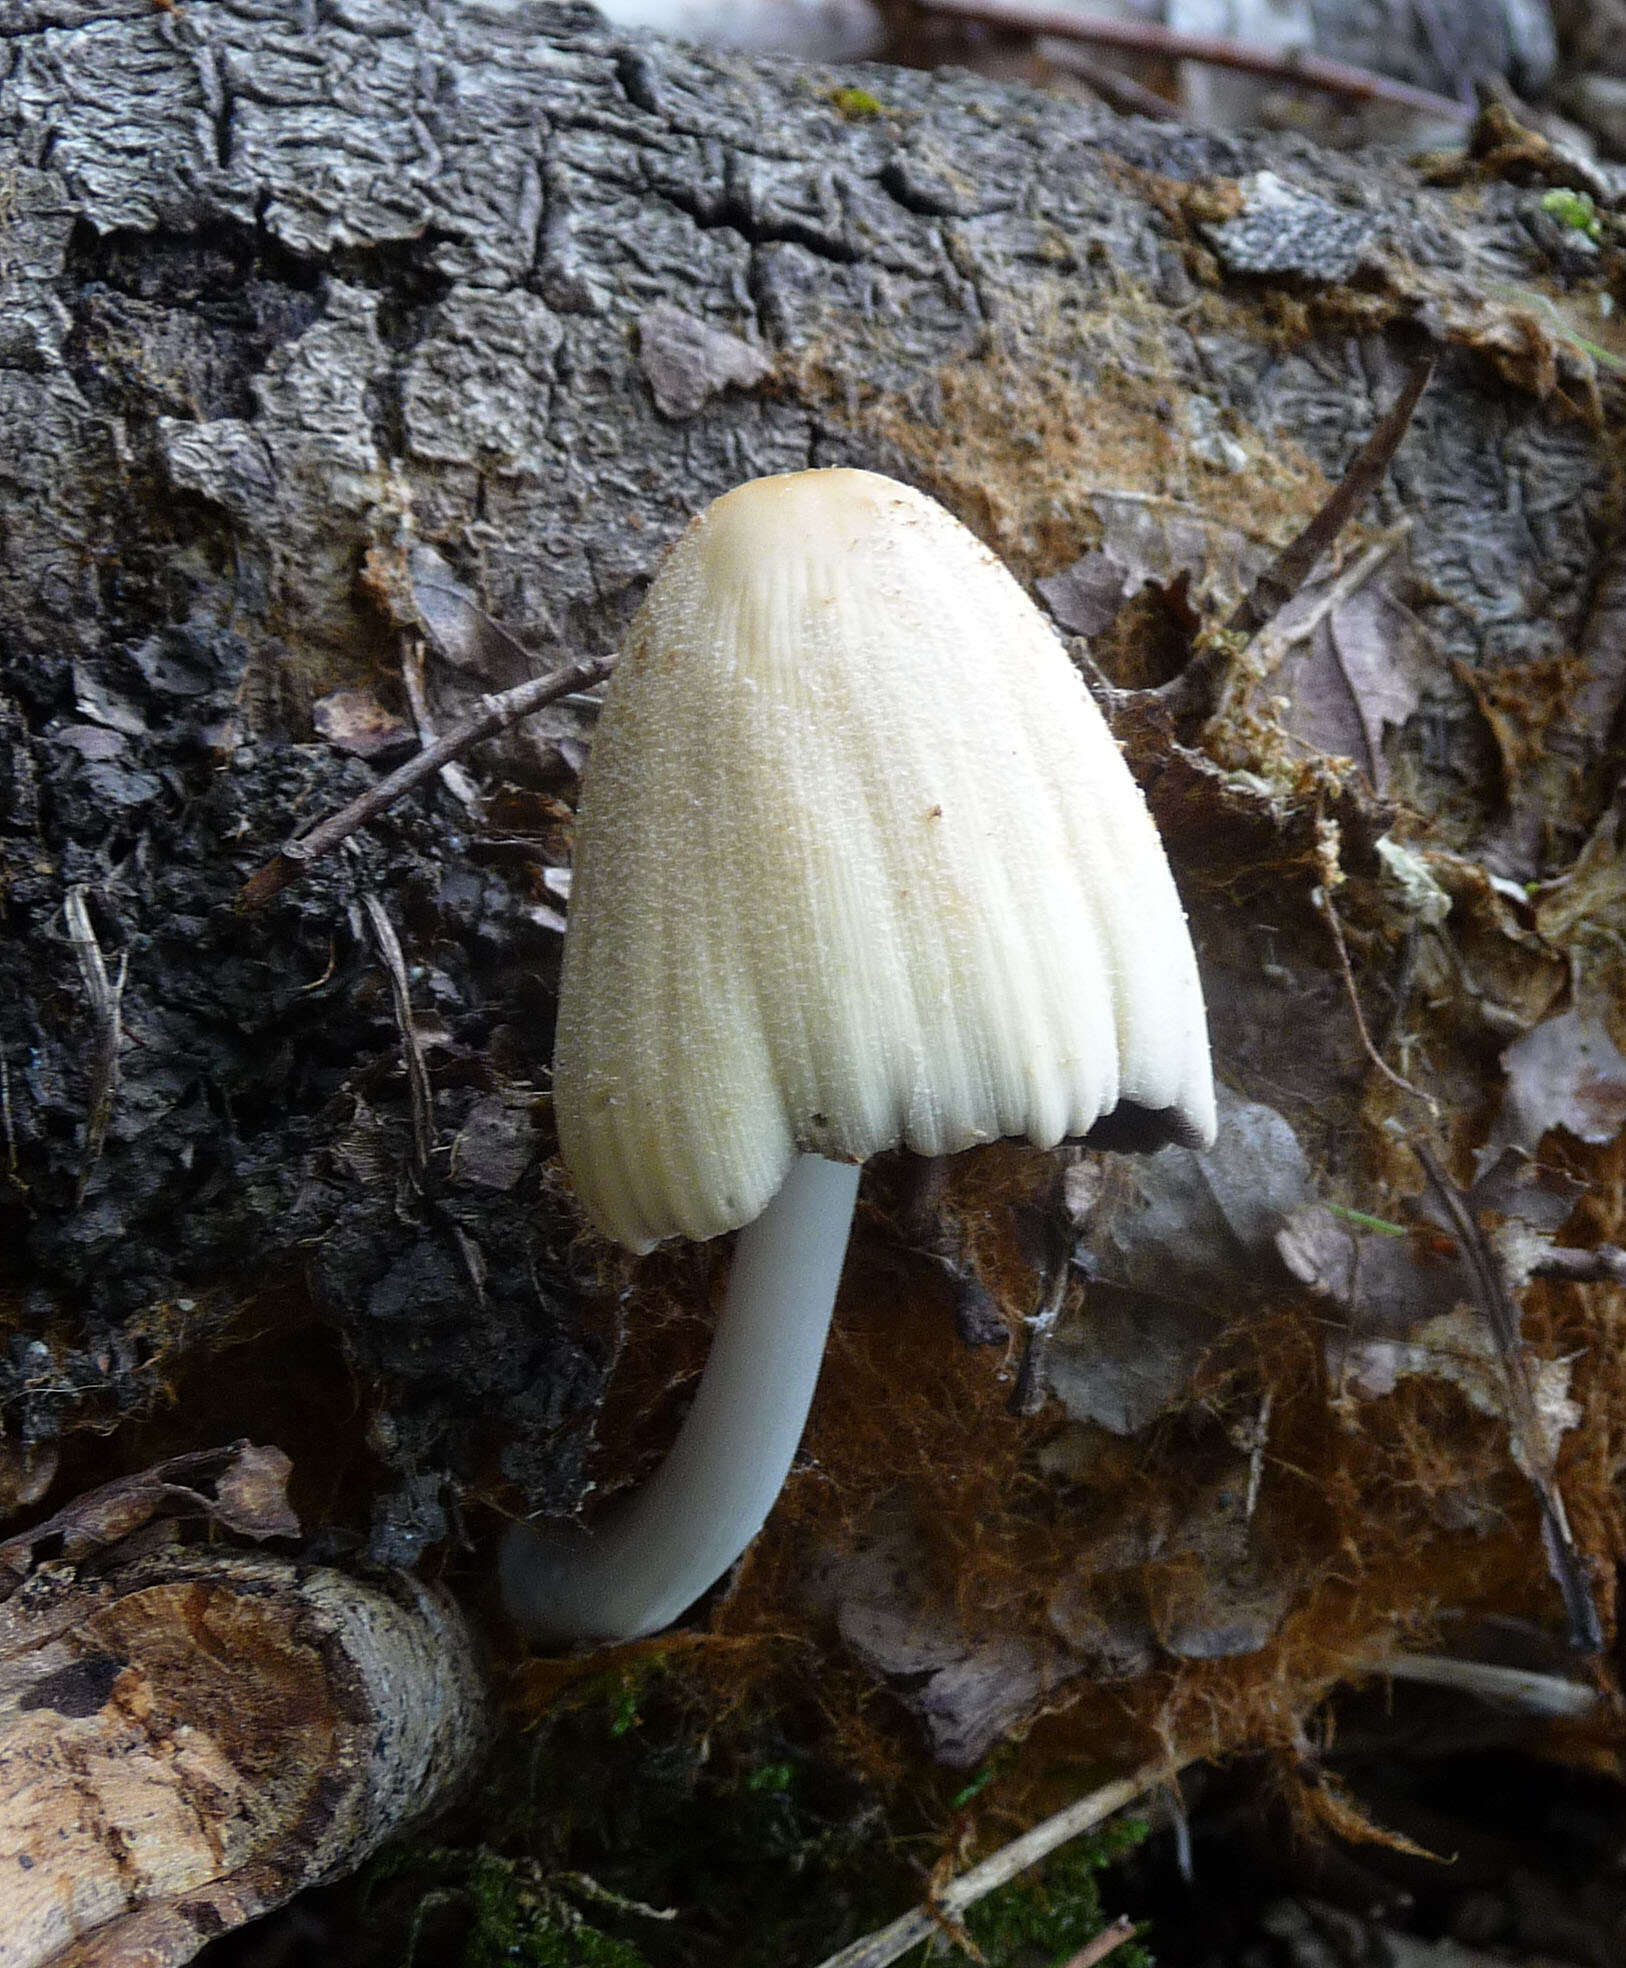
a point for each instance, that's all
(654, 1554)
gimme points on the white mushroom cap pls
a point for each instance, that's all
(857, 864)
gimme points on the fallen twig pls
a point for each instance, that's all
(10, 1125)
(886, 1944)
(495, 714)
(1276, 640)
(1288, 572)
(105, 997)
(1530, 1445)
(1117, 90)
(1140, 37)
(456, 781)
(1108, 1941)
(1199, 689)
(1603, 1264)
(1028, 1395)
(417, 1071)
(1327, 909)
(1517, 1688)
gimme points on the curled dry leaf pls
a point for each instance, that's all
(1458, 1347)
(1450, 1314)
(1593, 887)
(242, 1487)
(1149, 542)
(1566, 1072)
(1356, 677)
(966, 1692)
(1388, 1285)
(1517, 1186)
(1339, 668)
(1170, 1245)
(251, 1494)
(354, 721)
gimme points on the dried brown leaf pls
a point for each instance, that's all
(1594, 886)
(968, 1691)
(1356, 678)
(1152, 542)
(1565, 1072)
(240, 1487)
(251, 1494)
(1388, 1285)
(354, 721)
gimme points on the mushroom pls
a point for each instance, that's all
(857, 864)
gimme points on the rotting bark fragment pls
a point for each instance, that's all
(190, 1736)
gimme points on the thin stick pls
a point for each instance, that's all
(389, 948)
(495, 714)
(1288, 572)
(10, 1126)
(105, 997)
(1203, 687)
(887, 1943)
(1531, 1452)
(1328, 911)
(456, 781)
(1028, 1395)
(1268, 648)
(1117, 90)
(1603, 1264)
(1255, 1439)
(1149, 38)
(1516, 1688)
(1108, 1941)
(1336, 594)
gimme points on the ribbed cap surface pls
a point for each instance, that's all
(857, 863)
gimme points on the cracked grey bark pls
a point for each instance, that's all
(281, 289)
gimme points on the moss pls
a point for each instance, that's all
(1048, 1916)
(1573, 209)
(858, 105)
(633, 1827)
(510, 1911)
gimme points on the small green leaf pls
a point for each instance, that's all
(1574, 209)
(1366, 1222)
(773, 1778)
(978, 1784)
(624, 1710)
